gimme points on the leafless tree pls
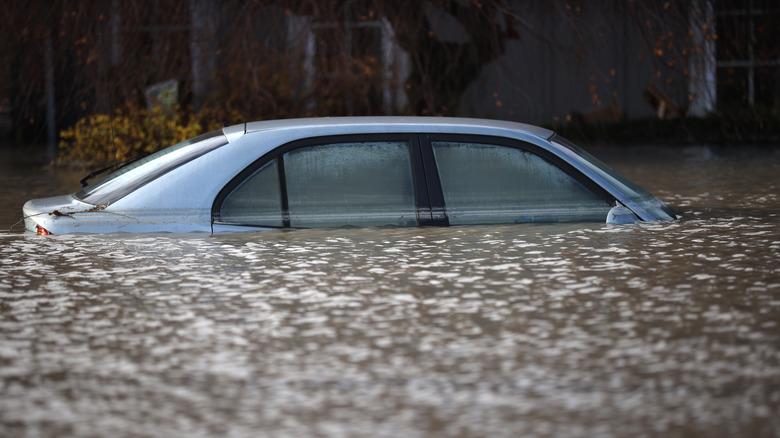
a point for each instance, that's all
(107, 52)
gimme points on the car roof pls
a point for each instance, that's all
(378, 124)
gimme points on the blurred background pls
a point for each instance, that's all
(104, 80)
(534, 330)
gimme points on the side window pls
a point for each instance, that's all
(257, 201)
(485, 183)
(355, 183)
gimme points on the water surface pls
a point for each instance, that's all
(659, 329)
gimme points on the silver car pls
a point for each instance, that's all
(357, 171)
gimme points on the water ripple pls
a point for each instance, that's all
(530, 330)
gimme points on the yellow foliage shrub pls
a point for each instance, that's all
(135, 132)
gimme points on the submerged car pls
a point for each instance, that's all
(352, 171)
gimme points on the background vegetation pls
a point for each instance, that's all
(67, 63)
(129, 133)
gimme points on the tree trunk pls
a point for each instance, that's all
(48, 65)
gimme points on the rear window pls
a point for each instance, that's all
(131, 177)
(349, 183)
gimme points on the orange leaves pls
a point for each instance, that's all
(594, 95)
(497, 100)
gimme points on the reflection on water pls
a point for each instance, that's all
(661, 329)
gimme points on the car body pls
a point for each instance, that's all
(351, 171)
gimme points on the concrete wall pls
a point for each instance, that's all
(558, 63)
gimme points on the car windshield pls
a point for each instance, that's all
(637, 194)
(128, 178)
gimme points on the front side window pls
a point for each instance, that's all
(350, 184)
(637, 194)
(486, 183)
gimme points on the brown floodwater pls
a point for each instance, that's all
(658, 329)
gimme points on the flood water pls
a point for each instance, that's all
(658, 329)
